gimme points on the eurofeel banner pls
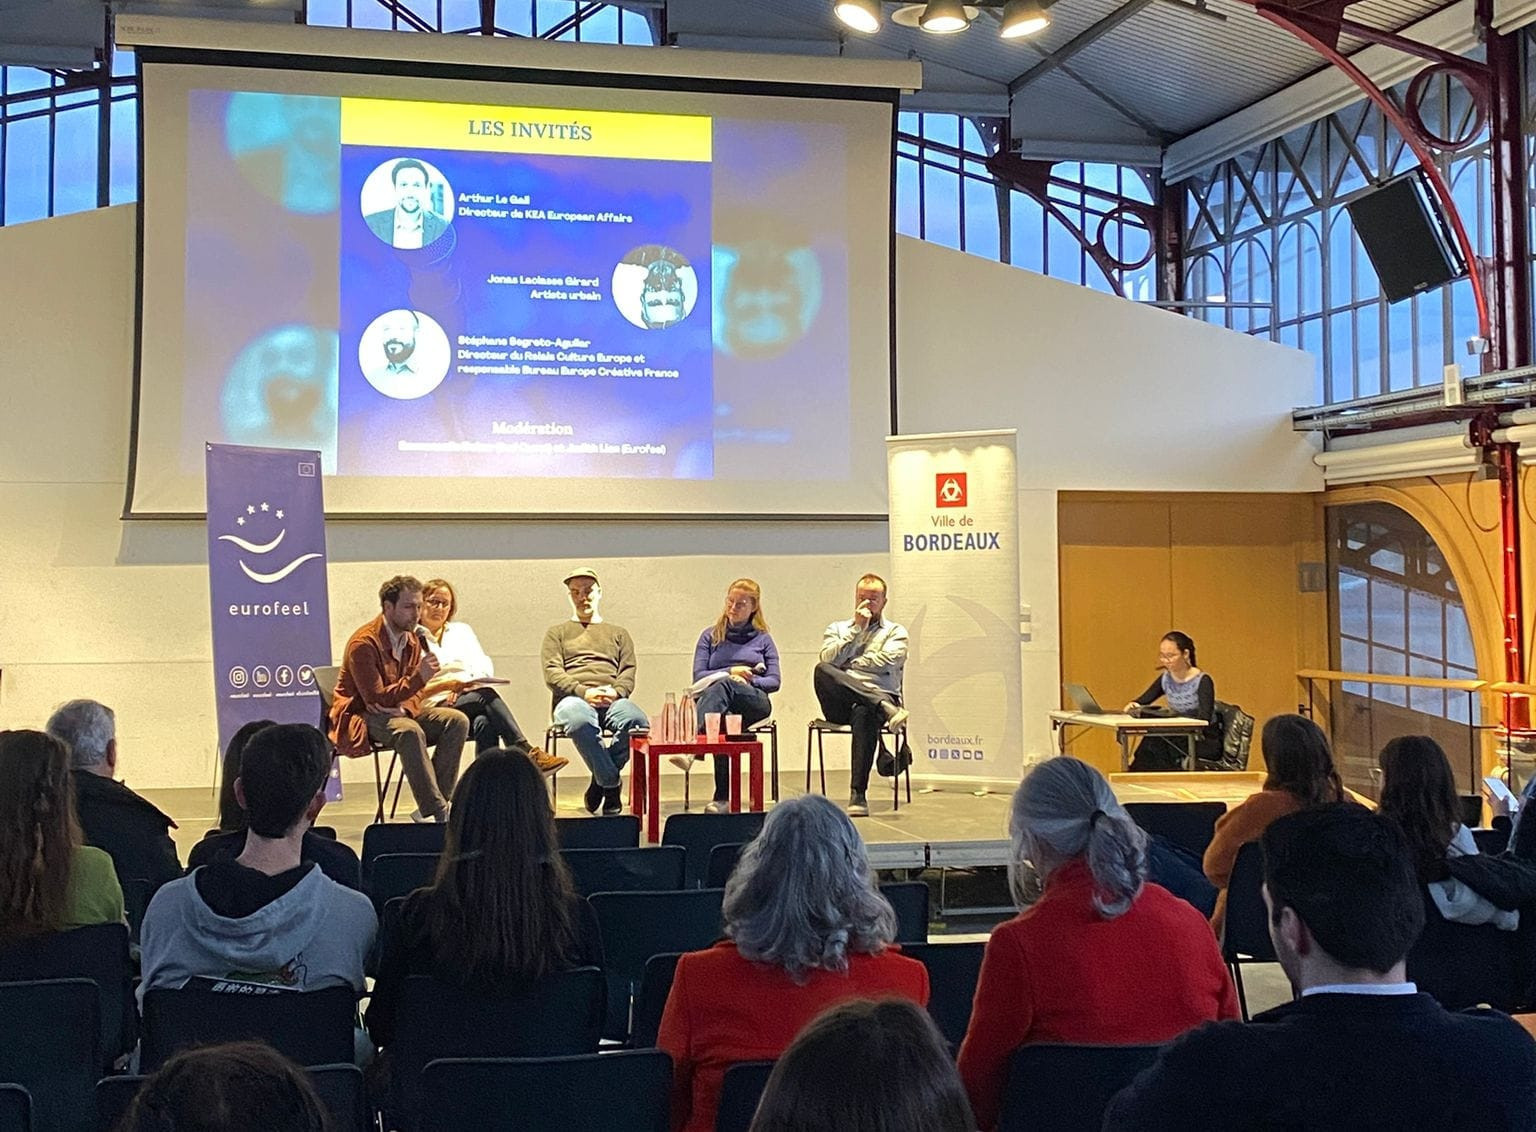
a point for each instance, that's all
(267, 587)
(955, 585)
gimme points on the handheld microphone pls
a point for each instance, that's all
(421, 631)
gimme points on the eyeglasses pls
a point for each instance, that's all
(438, 602)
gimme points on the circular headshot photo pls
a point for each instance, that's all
(655, 287)
(407, 203)
(404, 354)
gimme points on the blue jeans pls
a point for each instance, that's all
(731, 697)
(584, 724)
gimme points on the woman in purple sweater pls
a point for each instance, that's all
(742, 657)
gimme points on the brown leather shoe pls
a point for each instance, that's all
(546, 762)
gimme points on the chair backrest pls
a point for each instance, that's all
(1247, 930)
(1462, 965)
(340, 1087)
(700, 833)
(554, 1016)
(98, 952)
(615, 831)
(1235, 728)
(15, 1109)
(310, 1028)
(325, 684)
(52, 1048)
(953, 969)
(326, 831)
(1189, 825)
(722, 863)
(137, 894)
(1491, 842)
(656, 868)
(651, 1000)
(625, 1091)
(740, 1092)
(398, 874)
(1065, 1088)
(636, 925)
(1471, 809)
(400, 837)
(910, 900)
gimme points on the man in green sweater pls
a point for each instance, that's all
(589, 666)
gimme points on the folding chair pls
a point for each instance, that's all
(400, 837)
(651, 999)
(98, 952)
(612, 831)
(700, 833)
(399, 874)
(953, 970)
(325, 684)
(1189, 825)
(722, 863)
(15, 1109)
(740, 1091)
(637, 925)
(52, 1049)
(656, 868)
(310, 1028)
(910, 900)
(819, 729)
(1066, 1088)
(1246, 937)
(340, 1087)
(624, 1091)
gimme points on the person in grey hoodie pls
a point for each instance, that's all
(266, 917)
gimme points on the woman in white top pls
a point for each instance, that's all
(491, 723)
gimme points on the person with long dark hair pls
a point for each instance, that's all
(502, 908)
(1190, 692)
(1096, 956)
(1301, 774)
(49, 881)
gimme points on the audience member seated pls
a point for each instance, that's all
(239, 1087)
(132, 831)
(806, 928)
(336, 860)
(267, 917)
(1359, 1047)
(913, 1086)
(739, 656)
(503, 909)
(491, 722)
(1301, 773)
(49, 882)
(1101, 957)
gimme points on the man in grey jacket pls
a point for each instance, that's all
(589, 666)
(267, 917)
(858, 682)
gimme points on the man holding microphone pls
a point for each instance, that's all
(378, 697)
(859, 681)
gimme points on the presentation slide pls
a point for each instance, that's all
(526, 300)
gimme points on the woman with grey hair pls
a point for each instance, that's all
(1100, 956)
(806, 928)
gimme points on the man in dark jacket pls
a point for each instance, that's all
(133, 831)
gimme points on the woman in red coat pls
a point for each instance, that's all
(1101, 957)
(807, 929)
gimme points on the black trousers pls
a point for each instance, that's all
(847, 700)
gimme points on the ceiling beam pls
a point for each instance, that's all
(1085, 38)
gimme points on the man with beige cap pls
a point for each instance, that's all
(589, 666)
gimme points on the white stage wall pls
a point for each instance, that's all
(1104, 395)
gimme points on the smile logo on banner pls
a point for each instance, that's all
(949, 489)
(262, 515)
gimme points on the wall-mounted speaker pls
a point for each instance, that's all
(1402, 229)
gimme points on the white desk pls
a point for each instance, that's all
(1127, 727)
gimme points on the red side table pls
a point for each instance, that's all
(645, 774)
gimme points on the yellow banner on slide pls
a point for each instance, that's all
(524, 129)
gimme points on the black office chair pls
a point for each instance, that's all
(98, 952)
(953, 970)
(656, 868)
(651, 999)
(1189, 825)
(325, 683)
(740, 1092)
(624, 1091)
(554, 1016)
(1246, 938)
(613, 831)
(818, 729)
(722, 863)
(52, 1049)
(310, 1028)
(910, 901)
(1066, 1088)
(340, 1088)
(15, 1109)
(399, 874)
(637, 925)
(700, 833)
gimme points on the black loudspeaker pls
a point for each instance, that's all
(1404, 232)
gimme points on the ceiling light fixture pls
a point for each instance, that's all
(944, 17)
(1023, 18)
(860, 15)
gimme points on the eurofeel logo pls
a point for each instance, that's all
(949, 489)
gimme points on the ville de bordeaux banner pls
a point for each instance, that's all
(955, 586)
(267, 583)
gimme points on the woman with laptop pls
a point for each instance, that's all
(1189, 692)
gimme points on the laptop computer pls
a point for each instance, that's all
(1083, 699)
